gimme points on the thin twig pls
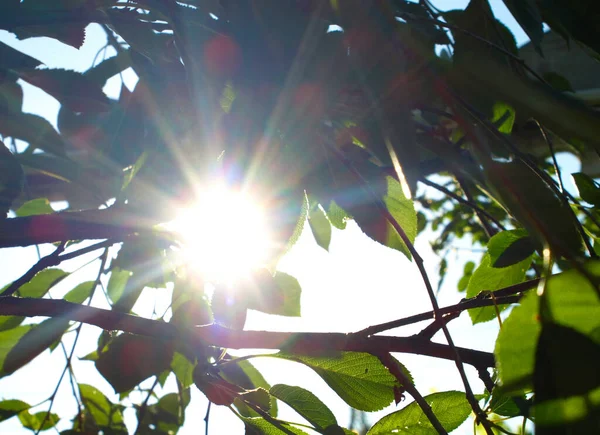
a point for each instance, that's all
(42, 263)
(144, 407)
(387, 360)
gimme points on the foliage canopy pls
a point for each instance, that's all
(329, 111)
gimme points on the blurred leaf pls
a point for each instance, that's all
(510, 247)
(503, 117)
(72, 89)
(14, 59)
(588, 188)
(450, 407)
(360, 379)
(12, 178)
(103, 412)
(320, 226)
(33, 129)
(573, 303)
(337, 216)
(11, 407)
(183, 369)
(108, 68)
(489, 278)
(504, 405)
(43, 281)
(35, 340)
(35, 207)
(117, 283)
(558, 82)
(305, 403)
(39, 421)
(528, 15)
(165, 417)
(463, 282)
(260, 426)
(131, 359)
(80, 293)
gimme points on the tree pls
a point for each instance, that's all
(330, 111)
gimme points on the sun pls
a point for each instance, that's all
(225, 234)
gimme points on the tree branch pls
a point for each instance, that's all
(215, 335)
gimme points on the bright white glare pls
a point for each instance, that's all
(225, 235)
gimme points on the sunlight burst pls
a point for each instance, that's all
(225, 234)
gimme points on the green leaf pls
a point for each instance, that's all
(573, 303)
(588, 188)
(104, 413)
(260, 426)
(131, 359)
(35, 207)
(41, 283)
(80, 293)
(337, 216)
(488, 278)
(35, 340)
(320, 226)
(117, 283)
(463, 282)
(305, 403)
(11, 407)
(244, 374)
(450, 407)
(360, 379)
(279, 294)
(510, 247)
(183, 369)
(39, 421)
(503, 117)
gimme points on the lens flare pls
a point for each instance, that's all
(225, 234)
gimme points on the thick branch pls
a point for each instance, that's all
(215, 335)
(63, 226)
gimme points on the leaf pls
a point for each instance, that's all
(11, 407)
(14, 59)
(33, 129)
(72, 89)
(12, 179)
(488, 278)
(573, 303)
(35, 207)
(165, 417)
(39, 421)
(35, 340)
(279, 294)
(588, 188)
(183, 369)
(566, 368)
(450, 407)
(306, 404)
(244, 374)
(131, 359)
(528, 16)
(41, 283)
(510, 247)
(320, 226)
(260, 426)
(117, 284)
(337, 216)
(80, 293)
(109, 67)
(104, 413)
(360, 379)
(503, 117)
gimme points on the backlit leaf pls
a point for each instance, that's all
(39, 421)
(105, 414)
(450, 407)
(320, 226)
(360, 379)
(35, 207)
(11, 407)
(80, 293)
(509, 247)
(306, 404)
(260, 426)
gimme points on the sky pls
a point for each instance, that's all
(356, 284)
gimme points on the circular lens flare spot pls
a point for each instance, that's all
(225, 234)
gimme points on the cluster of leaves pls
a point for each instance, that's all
(330, 111)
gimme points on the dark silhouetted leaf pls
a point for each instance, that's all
(510, 247)
(528, 15)
(450, 407)
(33, 129)
(131, 359)
(588, 188)
(14, 59)
(72, 89)
(12, 178)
